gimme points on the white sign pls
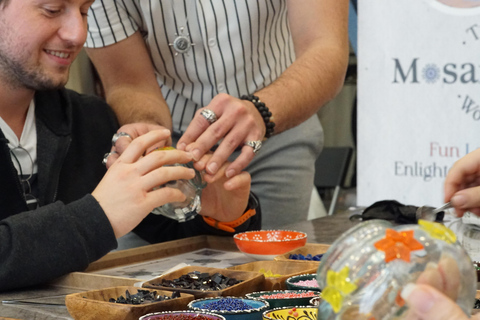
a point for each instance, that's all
(418, 96)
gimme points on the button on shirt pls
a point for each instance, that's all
(238, 47)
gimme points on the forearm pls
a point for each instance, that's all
(132, 104)
(320, 36)
(129, 80)
(308, 84)
(44, 244)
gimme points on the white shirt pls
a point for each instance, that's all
(24, 154)
(239, 46)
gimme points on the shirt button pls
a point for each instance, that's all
(212, 42)
(221, 87)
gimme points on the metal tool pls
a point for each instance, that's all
(429, 213)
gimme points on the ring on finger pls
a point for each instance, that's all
(256, 145)
(209, 115)
(105, 157)
(117, 136)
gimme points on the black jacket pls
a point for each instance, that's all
(70, 229)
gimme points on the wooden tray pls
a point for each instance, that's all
(285, 268)
(92, 305)
(90, 281)
(309, 248)
(252, 281)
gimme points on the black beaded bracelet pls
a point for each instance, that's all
(264, 112)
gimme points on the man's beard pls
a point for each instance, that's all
(19, 76)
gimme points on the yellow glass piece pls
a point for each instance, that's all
(338, 286)
(269, 273)
(165, 148)
(438, 231)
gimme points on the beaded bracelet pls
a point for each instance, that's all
(264, 112)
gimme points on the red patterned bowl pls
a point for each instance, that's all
(267, 244)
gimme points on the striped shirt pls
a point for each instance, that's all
(239, 46)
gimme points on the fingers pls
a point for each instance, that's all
(139, 146)
(110, 158)
(426, 303)
(160, 158)
(241, 162)
(444, 276)
(161, 176)
(135, 130)
(464, 173)
(237, 122)
(466, 200)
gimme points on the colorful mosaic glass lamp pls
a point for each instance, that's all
(364, 271)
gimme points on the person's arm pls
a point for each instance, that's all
(128, 77)
(462, 184)
(320, 34)
(56, 239)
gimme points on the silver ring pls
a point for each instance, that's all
(105, 157)
(209, 115)
(256, 145)
(117, 136)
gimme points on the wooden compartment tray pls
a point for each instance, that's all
(251, 281)
(90, 280)
(309, 248)
(92, 305)
(283, 267)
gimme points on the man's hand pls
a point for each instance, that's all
(462, 184)
(133, 131)
(238, 121)
(434, 294)
(126, 192)
(225, 199)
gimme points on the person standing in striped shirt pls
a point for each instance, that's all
(206, 69)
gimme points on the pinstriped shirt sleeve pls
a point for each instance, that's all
(109, 22)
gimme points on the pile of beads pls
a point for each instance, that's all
(307, 283)
(199, 281)
(142, 297)
(227, 304)
(308, 257)
(289, 295)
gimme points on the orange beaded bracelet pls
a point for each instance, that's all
(230, 226)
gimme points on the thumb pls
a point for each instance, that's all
(427, 303)
(466, 199)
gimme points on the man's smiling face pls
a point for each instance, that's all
(39, 39)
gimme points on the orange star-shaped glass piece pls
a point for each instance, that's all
(398, 245)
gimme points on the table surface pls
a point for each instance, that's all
(321, 230)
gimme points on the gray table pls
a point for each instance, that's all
(322, 230)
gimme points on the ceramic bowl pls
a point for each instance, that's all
(292, 282)
(186, 315)
(292, 313)
(267, 244)
(285, 298)
(254, 312)
(315, 301)
(95, 304)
